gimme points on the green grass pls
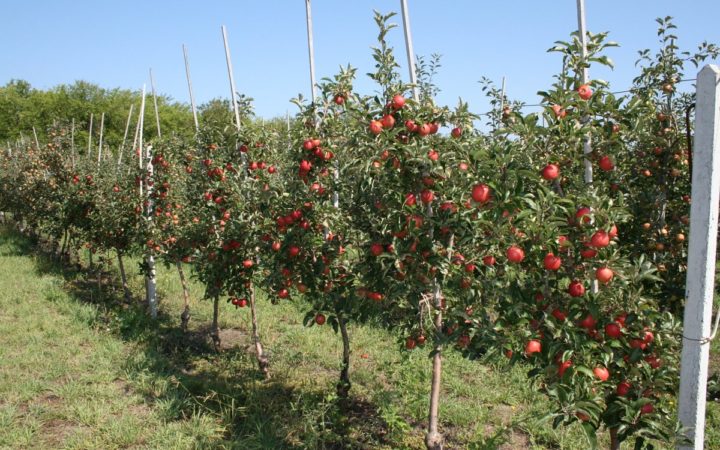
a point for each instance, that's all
(78, 369)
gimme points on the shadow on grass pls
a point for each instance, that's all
(185, 378)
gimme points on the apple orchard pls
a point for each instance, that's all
(388, 209)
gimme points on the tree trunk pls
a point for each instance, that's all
(215, 331)
(123, 277)
(185, 316)
(614, 443)
(90, 259)
(433, 438)
(344, 385)
(262, 359)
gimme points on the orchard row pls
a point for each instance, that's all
(391, 209)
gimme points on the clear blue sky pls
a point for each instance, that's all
(113, 43)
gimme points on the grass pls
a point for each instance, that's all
(79, 369)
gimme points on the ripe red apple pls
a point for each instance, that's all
(550, 172)
(410, 199)
(388, 121)
(398, 101)
(604, 274)
(606, 163)
(552, 262)
(576, 289)
(433, 155)
(427, 196)
(515, 254)
(376, 127)
(602, 373)
(293, 251)
(456, 132)
(533, 346)
(489, 260)
(613, 231)
(320, 319)
(600, 239)
(339, 99)
(410, 343)
(585, 92)
(588, 322)
(584, 214)
(559, 111)
(564, 366)
(411, 126)
(613, 330)
(588, 253)
(481, 193)
(248, 263)
(376, 249)
(648, 336)
(559, 314)
(647, 408)
(283, 293)
(623, 388)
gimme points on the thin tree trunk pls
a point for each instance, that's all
(185, 316)
(90, 259)
(433, 438)
(215, 331)
(343, 387)
(123, 277)
(64, 242)
(614, 443)
(260, 354)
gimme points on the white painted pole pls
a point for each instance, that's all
(502, 95)
(127, 128)
(157, 112)
(150, 280)
(37, 143)
(72, 143)
(189, 82)
(102, 129)
(311, 49)
(90, 136)
(409, 49)
(582, 30)
(232, 79)
(700, 283)
(140, 124)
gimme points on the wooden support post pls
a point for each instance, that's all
(90, 136)
(233, 92)
(409, 49)
(700, 283)
(127, 128)
(189, 82)
(311, 50)
(157, 112)
(102, 130)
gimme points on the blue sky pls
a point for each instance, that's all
(113, 43)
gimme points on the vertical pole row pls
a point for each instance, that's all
(585, 76)
(90, 136)
(409, 49)
(232, 78)
(190, 89)
(100, 143)
(311, 49)
(125, 135)
(157, 112)
(702, 249)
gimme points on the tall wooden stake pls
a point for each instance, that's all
(102, 130)
(233, 92)
(125, 135)
(157, 112)
(90, 136)
(582, 30)
(190, 89)
(72, 143)
(409, 49)
(702, 248)
(37, 143)
(311, 50)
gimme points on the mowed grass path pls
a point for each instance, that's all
(80, 370)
